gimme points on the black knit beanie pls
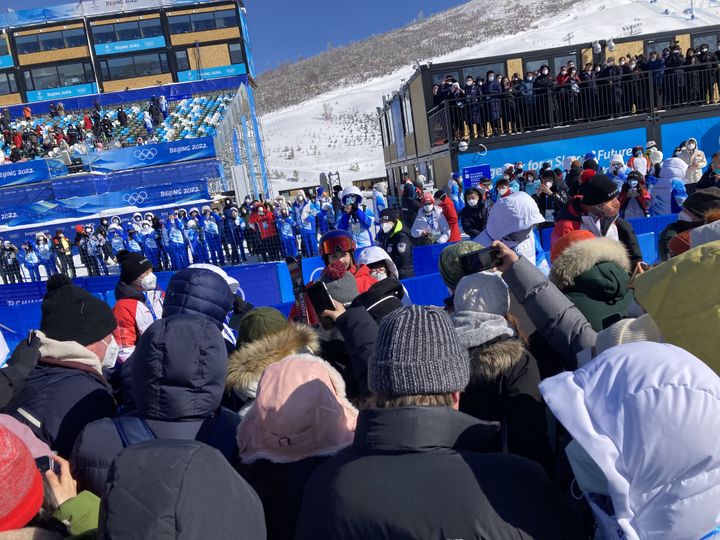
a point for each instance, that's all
(599, 189)
(70, 313)
(702, 201)
(132, 265)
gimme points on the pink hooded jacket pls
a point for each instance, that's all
(301, 411)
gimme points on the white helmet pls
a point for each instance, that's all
(374, 254)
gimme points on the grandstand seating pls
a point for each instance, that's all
(188, 118)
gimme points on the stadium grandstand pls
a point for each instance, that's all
(117, 110)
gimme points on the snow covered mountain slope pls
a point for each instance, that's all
(338, 130)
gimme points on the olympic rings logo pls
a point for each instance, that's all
(135, 198)
(145, 154)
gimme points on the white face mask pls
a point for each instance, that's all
(387, 226)
(472, 203)
(379, 274)
(502, 191)
(491, 78)
(149, 282)
(691, 146)
(428, 208)
(111, 353)
(548, 184)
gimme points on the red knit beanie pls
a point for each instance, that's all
(21, 485)
(586, 175)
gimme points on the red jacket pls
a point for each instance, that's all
(448, 210)
(264, 224)
(133, 315)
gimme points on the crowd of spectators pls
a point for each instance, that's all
(572, 401)
(492, 104)
(88, 131)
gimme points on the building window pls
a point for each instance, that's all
(179, 24)
(58, 76)
(181, 57)
(236, 53)
(7, 83)
(127, 31)
(27, 44)
(706, 39)
(3, 47)
(656, 46)
(226, 19)
(130, 67)
(202, 22)
(104, 33)
(535, 65)
(407, 112)
(51, 41)
(150, 28)
(561, 61)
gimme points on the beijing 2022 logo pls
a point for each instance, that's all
(145, 154)
(135, 198)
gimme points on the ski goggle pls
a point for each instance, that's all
(339, 244)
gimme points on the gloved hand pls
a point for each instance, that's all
(25, 356)
(20, 364)
(240, 306)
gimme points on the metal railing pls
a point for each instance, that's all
(525, 107)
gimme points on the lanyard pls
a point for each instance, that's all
(148, 303)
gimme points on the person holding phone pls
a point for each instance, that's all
(41, 491)
(430, 225)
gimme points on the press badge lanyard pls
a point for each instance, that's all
(148, 303)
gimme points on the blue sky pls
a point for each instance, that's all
(287, 29)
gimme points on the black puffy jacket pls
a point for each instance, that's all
(413, 472)
(178, 490)
(178, 378)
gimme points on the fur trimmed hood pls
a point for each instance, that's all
(582, 256)
(247, 364)
(488, 362)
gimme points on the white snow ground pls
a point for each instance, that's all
(350, 143)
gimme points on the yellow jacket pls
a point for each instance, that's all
(682, 295)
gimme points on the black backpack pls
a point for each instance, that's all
(135, 430)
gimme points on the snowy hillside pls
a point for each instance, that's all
(338, 130)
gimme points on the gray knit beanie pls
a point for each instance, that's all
(418, 352)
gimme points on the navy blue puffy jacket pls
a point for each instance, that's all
(198, 291)
(178, 378)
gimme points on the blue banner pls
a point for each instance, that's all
(62, 92)
(6, 61)
(212, 73)
(95, 184)
(705, 130)
(151, 154)
(24, 172)
(472, 176)
(604, 145)
(19, 195)
(80, 207)
(246, 41)
(119, 47)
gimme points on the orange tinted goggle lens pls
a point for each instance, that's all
(334, 245)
